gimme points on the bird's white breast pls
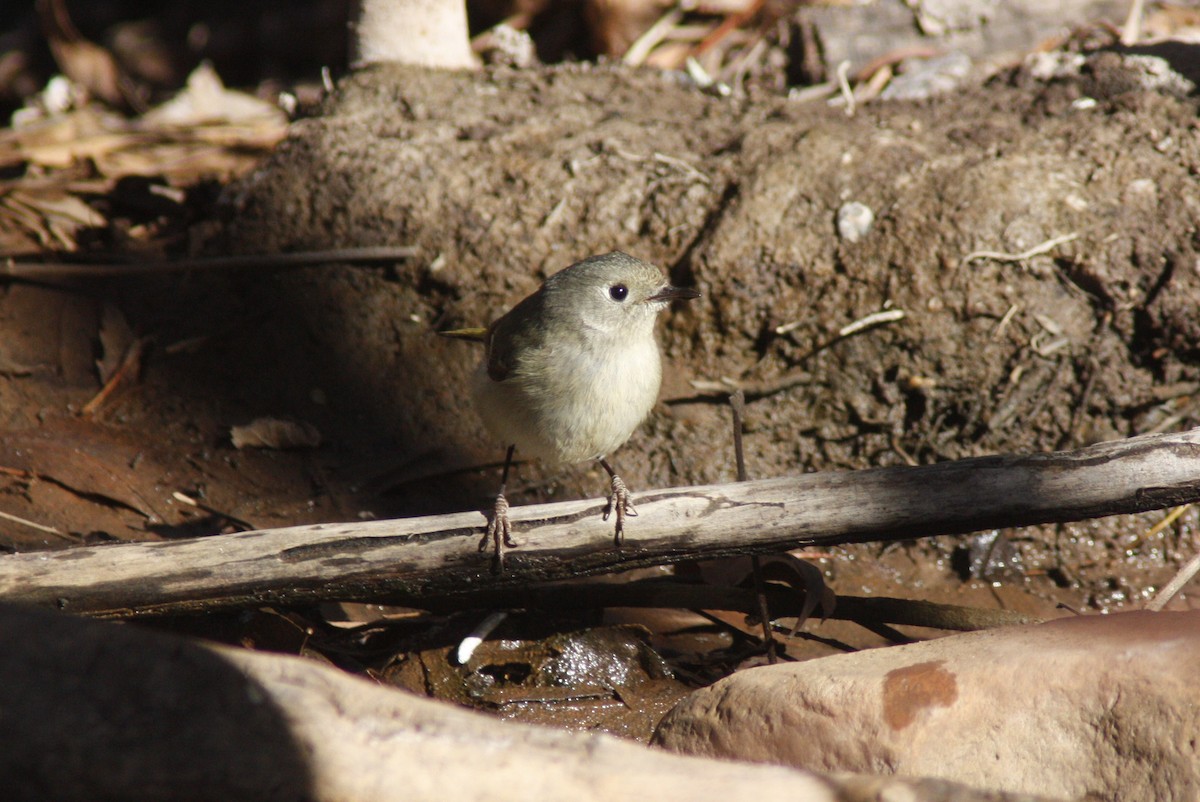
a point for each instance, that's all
(568, 403)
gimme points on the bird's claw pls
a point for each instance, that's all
(619, 502)
(499, 531)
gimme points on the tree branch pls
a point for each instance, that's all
(422, 560)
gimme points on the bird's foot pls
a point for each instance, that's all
(620, 503)
(499, 532)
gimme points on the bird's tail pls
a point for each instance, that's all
(474, 335)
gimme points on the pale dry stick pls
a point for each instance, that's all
(1131, 31)
(1037, 250)
(909, 459)
(854, 326)
(691, 33)
(682, 165)
(22, 215)
(640, 49)
(1051, 325)
(847, 93)
(1004, 321)
(893, 57)
(40, 527)
(1181, 578)
(183, 498)
(703, 80)
(1167, 520)
(870, 321)
(478, 635)
(821, 91)
(723, 386)
(1048, 349)
(1170, 422)
(753, 55)
(662, 158)
(130, 368)
(874, 86)
(555, 213)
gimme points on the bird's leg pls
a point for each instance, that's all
(618, 502)
(499, 528)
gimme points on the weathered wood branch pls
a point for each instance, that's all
(423, 559)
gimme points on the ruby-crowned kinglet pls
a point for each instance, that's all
(572, 370)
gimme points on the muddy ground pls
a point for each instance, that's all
(504, 177)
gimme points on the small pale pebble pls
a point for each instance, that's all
(854, 221)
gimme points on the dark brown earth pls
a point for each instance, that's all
(504, 177)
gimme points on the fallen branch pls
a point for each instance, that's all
(52, 271)
(420, 560)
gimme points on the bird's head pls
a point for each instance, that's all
(612, 293)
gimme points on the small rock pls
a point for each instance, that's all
(509, 46)
(854, 221)
(922, 78)
(275, 433)
(1046, 66)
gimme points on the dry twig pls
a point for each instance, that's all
(1181, 578)
(51, 271)
(32, 525)
(1037, 250)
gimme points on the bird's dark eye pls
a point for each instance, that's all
(618, 292)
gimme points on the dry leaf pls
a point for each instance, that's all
(42, 217)
(206, 101)
(205, 131)
(84, 62)
(128, 370)
(275, 433)
(65, 138)
(115, 339)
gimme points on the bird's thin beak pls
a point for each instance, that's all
(669, 293)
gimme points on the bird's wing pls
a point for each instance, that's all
(519, 331)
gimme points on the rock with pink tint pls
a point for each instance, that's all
(1102, 707)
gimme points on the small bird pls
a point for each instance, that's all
(571, 371)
